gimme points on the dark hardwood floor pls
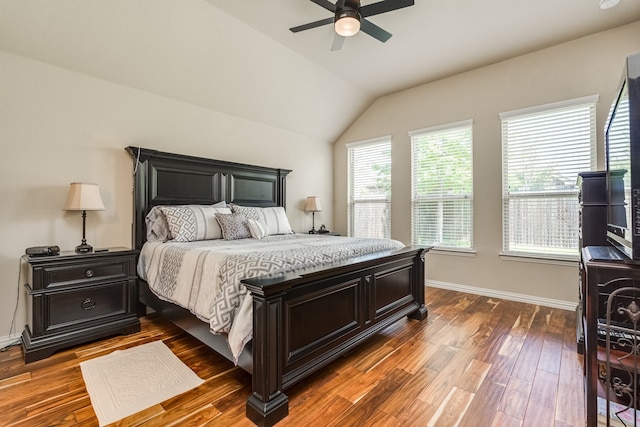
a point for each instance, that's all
(475, 361)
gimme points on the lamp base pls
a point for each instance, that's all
(84, 248)
(313, 223)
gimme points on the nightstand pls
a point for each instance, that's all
(75, 298)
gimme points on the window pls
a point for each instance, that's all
(442, 186)
(543, 150)
(369, 210)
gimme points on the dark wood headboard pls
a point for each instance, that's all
(174, 179)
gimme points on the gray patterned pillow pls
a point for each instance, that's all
(188, 223)
(157, 227)
(275, 217)
(234, 226)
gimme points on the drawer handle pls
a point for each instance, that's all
(88, 304)
(89, 273)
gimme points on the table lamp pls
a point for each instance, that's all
(313, 205)
(83, 197)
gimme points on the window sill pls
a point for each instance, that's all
(453, 251)
(540, 259)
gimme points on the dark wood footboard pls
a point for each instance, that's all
(303, 322)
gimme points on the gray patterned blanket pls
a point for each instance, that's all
(205, 276)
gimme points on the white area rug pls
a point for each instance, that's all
(127, 381)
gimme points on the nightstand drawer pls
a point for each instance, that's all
(66, 275)
(77, 307)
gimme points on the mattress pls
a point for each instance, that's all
(205, 276)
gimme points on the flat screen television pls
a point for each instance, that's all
(622, 149)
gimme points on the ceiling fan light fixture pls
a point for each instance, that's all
(608, 4)
(347, 23)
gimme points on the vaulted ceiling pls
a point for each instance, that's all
(431, 39)
(239, 57)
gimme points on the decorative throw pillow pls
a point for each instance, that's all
(258, 229)
(188, 223)
(234, 226)
(157, 227)
(275, 218)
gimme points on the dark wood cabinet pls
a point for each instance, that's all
(603, 272)
(612, 289)
(592, 199)
(592, 231)
(75, 298)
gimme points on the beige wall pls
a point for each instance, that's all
(588, 66)
(58, 126)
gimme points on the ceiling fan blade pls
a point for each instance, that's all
(374, 31)
(338, 41)
(326, 4)
(383, 6)
(312, 25)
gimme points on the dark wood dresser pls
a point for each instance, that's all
(75, 298)
(592, 199)
(607, 283)
(611, 288)
(592, 231)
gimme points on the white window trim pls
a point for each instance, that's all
(372, 141)
(538, 259)
(444, 250)
(438, 128)
(589, 99)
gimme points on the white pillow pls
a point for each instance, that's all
(275, 218)
(188, 223)
(258, 229)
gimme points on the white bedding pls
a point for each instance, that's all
(204, 276)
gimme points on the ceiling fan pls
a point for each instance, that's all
(349, 18)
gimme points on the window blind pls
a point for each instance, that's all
(442, 186)
(369, 207)
(543, 150)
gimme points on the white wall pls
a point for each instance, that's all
(187, 50)
(59, 126)
(587, 66)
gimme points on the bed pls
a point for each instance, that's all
(301, 320)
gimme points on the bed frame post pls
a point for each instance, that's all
(418, 281)
(267, 404)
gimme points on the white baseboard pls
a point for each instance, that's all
(511, 296)
(8, 339)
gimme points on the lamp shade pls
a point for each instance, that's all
(83, 197)
(312, 204)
